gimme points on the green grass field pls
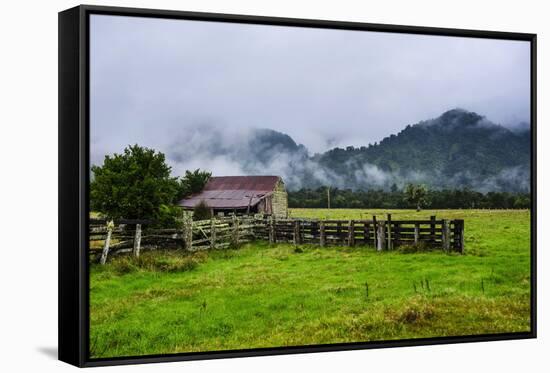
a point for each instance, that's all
(268, 296)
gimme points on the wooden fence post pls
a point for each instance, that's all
(375, 232)
(322, 233)
(213, 233)
(390, 238)
(270, 229)
(272, 238)
(416, 233)
(184, 232)
(351, 233)
(235, 237)
(381, 236)
(445, 235)
(105, 252)
(137, 240)
(189, 234)
(339, 232)
(366, 233)
(432, 228)
(297, 233)
(459, 235)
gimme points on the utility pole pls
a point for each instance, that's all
(328, 197)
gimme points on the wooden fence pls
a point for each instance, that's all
(133, 236)
(382, 234)
(126, 236)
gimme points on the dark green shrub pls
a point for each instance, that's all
(168, 216)
(132, 185)
(193, 182)
(414, 248)
(202, 211)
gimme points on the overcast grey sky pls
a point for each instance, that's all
(156, 80)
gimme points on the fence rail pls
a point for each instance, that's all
(124, 236)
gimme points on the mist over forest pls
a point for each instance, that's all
(459, 149)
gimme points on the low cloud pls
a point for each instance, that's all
(265, 152)
(152, 78)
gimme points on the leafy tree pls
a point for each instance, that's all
(202, 211)
(168, 216)
(415, 195)
(521, 201)
(133, 185)
(193, 182)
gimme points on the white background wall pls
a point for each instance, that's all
(28, 156)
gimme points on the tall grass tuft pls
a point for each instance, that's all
(417, 310)
(421, 247)
(156, 262)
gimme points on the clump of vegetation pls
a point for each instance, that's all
(415, 195)
(132, 185)
(418, 310)
(202, 211)
(155, 262)
(193, 182)
(280, 252)
(168, 216)
(477, 251)
(420, 247)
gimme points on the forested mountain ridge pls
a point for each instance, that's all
(457, 149)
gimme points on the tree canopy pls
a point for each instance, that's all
(415, 195)
(193, 182)
(379, 198)
(134, 184)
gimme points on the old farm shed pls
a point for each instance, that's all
(242, 195)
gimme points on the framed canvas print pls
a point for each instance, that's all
(236, 186)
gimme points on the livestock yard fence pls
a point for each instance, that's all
(132, 236)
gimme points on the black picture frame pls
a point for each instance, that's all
(74, 181)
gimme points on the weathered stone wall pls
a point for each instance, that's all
(279, 200)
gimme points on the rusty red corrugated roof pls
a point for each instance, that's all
(233, 191)
(260, 183)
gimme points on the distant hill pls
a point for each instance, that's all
(456, 150)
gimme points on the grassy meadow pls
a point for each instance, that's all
(281, 295)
